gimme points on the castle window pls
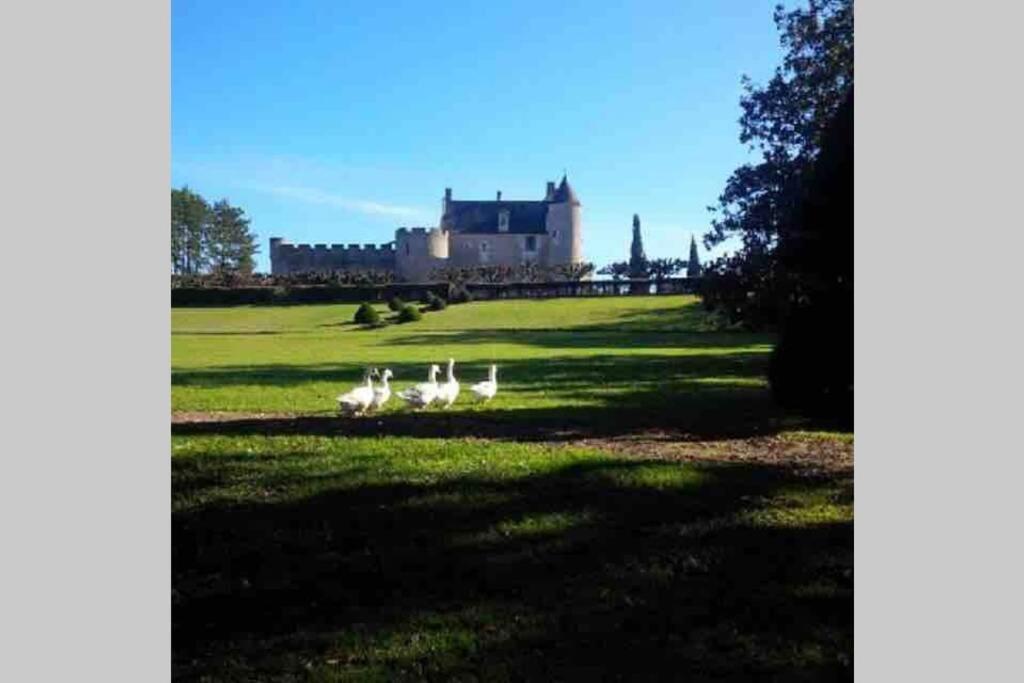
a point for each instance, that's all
(503, 221)
(554, 236)
(531, 243)
(406, 248)
(485, 254)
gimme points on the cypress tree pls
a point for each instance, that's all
(693, 269)
(637, 259)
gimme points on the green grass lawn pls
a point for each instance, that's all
(555, 357)
(490, 543)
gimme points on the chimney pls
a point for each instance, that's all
(499, 195)
(551, 192)
(447, 199)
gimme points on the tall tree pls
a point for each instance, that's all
(785, 119)
(693, 264)
(189, 225)
(230, 244)
(811, 367)
(637, 258)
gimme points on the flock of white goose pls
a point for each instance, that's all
(367, 397)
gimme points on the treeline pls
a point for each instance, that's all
(211, 239)
(647, 269)
(639, 267)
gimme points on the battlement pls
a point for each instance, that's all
(284, 247)
(294, 258)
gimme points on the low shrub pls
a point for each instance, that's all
(409, 314)
(436, 303)
(459, 295)
(395, 304)
(366, 315)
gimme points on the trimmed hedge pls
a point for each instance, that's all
(458, 294)
(409, 314)
(436, 303)
(366, 314)
(298, 294)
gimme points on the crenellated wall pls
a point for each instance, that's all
(288, 258)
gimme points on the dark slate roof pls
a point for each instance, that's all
(524, 217)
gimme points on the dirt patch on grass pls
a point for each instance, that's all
(807, 452)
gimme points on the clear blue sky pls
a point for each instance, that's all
(341, 121)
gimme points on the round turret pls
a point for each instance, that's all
(565, 225)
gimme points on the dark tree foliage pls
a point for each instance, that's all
(812, 366)
(231, 246)
(189, 225)
(654, 269)
(785, 119)
(209, 239)
(693, 268)
(662, 268)
(638, 264)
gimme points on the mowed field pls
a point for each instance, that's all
(631, 505)
(615, 353)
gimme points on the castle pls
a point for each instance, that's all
(547, 232)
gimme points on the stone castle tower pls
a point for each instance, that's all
(547, 232)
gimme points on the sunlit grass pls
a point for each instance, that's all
(550, 353)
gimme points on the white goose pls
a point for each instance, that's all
(449, 391)
(486, 390)
(359, 399)
(424, 393)
(382, 393)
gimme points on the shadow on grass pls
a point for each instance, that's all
(702, 416)
(554, 373)
(583, 338)
(576, 574)
(702, 397)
